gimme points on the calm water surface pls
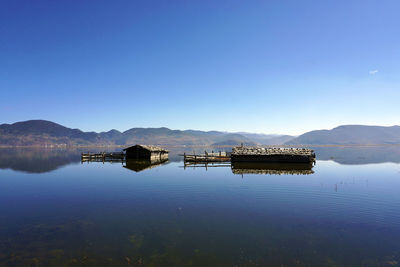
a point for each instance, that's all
(55, 211)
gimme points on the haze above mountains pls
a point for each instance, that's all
(41, 133)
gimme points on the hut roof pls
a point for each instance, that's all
(150, 148)
(243, 150)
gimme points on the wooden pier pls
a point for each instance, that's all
(207, 157)
(103, 156)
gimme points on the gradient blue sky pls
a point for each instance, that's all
(256, 66)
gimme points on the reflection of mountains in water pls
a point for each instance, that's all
(272, 168)
(359, 154)
(40, 160)
(37, 160)
(141, 165)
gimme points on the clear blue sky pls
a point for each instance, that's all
(256, 66)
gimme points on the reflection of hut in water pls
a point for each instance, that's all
(272, 168)
(143, 152)
(141, 165)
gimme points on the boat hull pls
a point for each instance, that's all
(273, 158)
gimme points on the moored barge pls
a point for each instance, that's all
(272, 155)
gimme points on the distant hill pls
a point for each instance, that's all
(267, 139)
(41, 133)
(350, 135)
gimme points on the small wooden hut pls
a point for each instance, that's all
(151, 153)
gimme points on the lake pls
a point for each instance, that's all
(55, 211)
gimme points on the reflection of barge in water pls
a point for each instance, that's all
(271, 168)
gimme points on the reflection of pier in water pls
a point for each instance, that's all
(205, 165)
(141, 165)
(272, 168)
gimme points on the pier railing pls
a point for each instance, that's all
(103, 156)
(207, 157)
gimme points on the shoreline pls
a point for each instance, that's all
(195, 146)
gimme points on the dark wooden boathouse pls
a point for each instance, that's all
(144, 152)
(272, 155)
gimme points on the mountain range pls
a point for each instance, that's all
(350, 135)
(42, 133)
